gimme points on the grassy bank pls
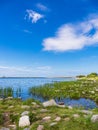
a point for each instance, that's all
(73, 119)
(73, 89)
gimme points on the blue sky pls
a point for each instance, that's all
(48, 38)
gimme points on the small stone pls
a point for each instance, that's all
(50, 103)
(25, 107)
(11, 106)
(67, 119)
(43, 110)
(1, 99)
(9, 98)
(33, 103)
(25, 113)
(40, 127)
(76, 115)
(87, 112)
(57, 119)
(47, 118)
(61, 106)
(37, 106)
(53, 123)
(70, 107)
(94, 118)
(24, 121)
(12, 127)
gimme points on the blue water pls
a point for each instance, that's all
(82, 102)
(26, 83)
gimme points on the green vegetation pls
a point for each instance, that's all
(72, 89)
(80, 76)
(9, 92)
(14, 107)
(92, 76)
(6, 92)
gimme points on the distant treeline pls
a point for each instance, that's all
(89, 75)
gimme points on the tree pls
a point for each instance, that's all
(92, 75)
(80, 76)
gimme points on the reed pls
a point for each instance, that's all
(6, 92)
(10, 92)
(72, 89)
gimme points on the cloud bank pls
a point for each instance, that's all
(73, 36)
(33, 16)
(25, 71)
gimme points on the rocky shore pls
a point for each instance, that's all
(16, 114)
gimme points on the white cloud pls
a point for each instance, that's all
(33, 16)
(41, 7)
(27, 31)
(73, 36)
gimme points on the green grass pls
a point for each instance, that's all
(72, 89)
(36, 116)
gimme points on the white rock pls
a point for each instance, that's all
(96, 90)
(70, 107)
(76, 115)
(61, 106)
(12, 127)
(11, 106)
(92, 92)
(67, 119)
(50, 103)
(25, 107)
(47, 118)
(1, 99)
(94, 118)
(43, 110)
(24, 121)
(25, 113)
(9, 98)
(33, 103)
(58, 118)
(53, 123)
(87, 112)
(40, 127)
